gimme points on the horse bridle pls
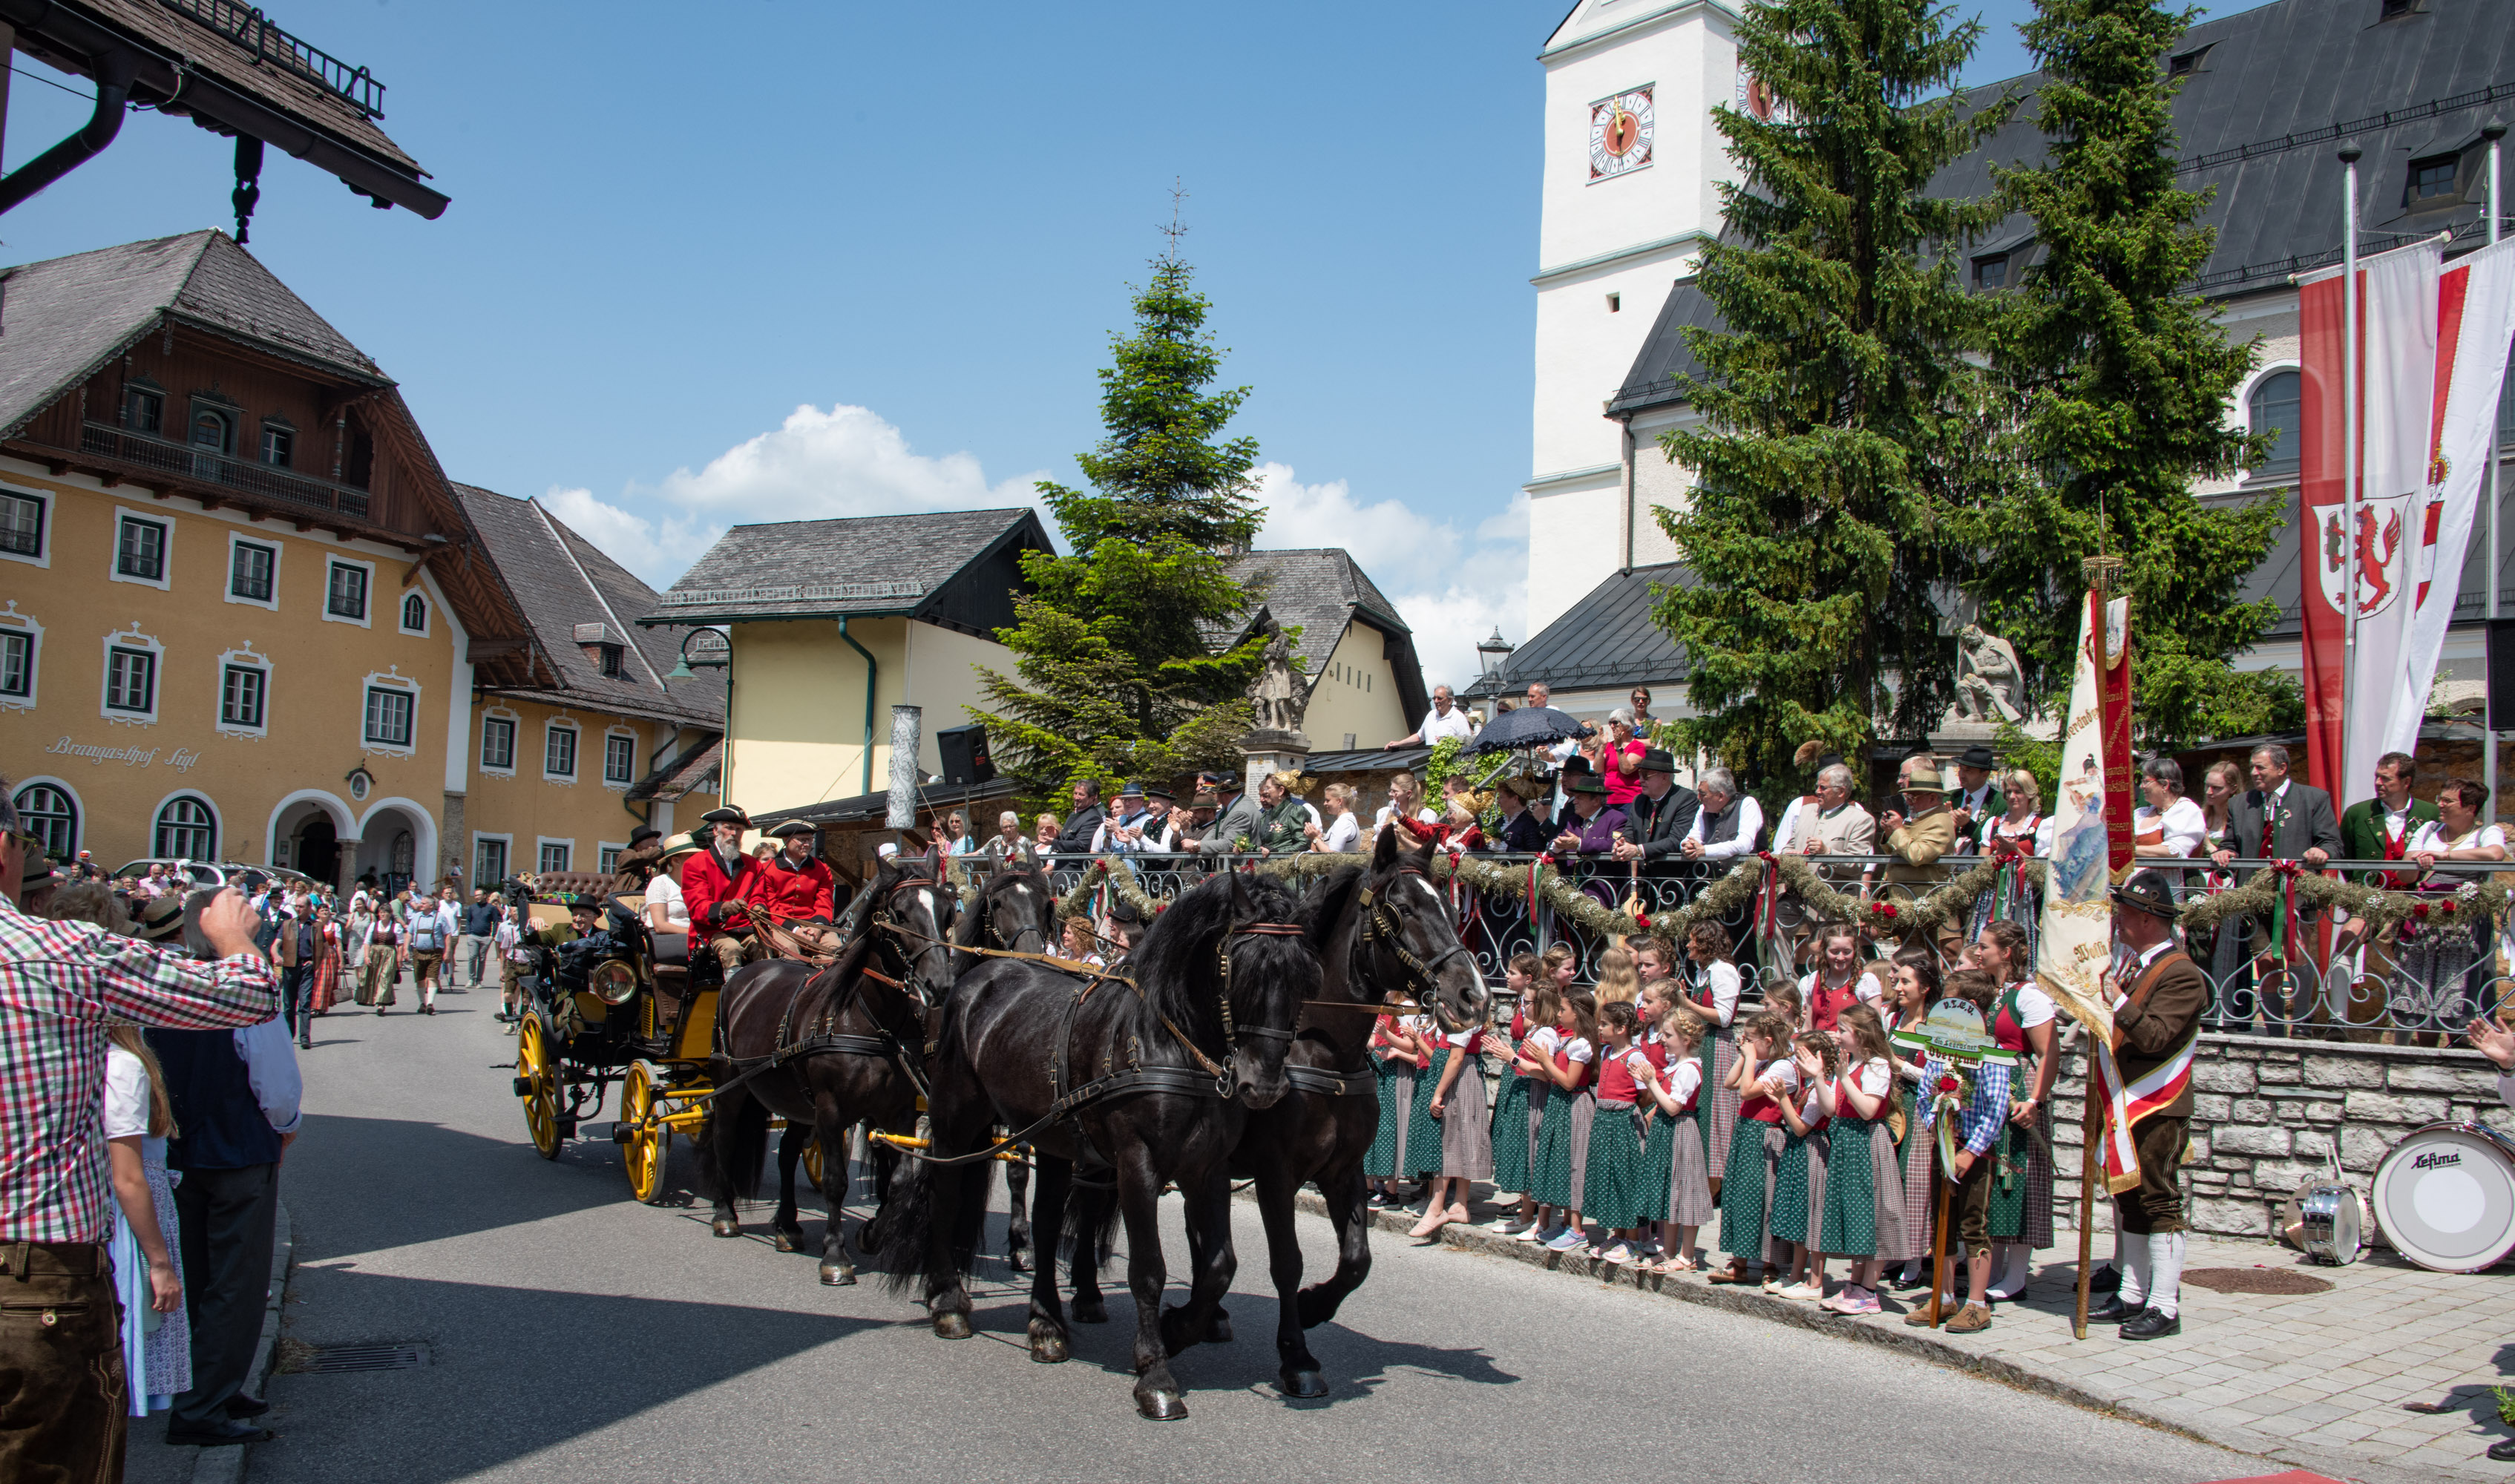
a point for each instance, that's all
(1381, 928)
(880, 919)
(1221, 1071)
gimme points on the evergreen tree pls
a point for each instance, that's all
(2114, 379)
(1117, 674)
(1835, 395)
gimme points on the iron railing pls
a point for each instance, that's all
(248, 27)
(2428, 984)
(215, 468)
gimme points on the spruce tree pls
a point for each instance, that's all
(1118, 674)
(2114, 379)
(1835, 395)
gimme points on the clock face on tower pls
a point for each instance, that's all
(1620, 134)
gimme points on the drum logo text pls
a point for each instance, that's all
(2436, 1161)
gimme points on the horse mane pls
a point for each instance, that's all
(1330, 895)
(860, 912)
(1171, 957)
(972, 924)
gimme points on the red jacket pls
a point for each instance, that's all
(704, 884)
(791, 893)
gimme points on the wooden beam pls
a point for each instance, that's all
(112, 482)
(410, 574)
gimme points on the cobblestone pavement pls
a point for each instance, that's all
(2320, 1380)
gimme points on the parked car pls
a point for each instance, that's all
(203, 874)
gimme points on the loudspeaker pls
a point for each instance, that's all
(2502, 675)
(965, 754)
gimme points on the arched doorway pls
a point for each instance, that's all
(317, 849)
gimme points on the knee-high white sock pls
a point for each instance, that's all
(2134, 1257)
(2166, 1271)
(2117, 1250)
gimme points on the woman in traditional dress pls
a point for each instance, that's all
(1392, 1062)
(328, 959)
(2023, 1021)
(1913, 987)
(1283, 820)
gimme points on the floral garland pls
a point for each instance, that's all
(2471, 903)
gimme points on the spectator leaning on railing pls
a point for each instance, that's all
(1731, 823)
(1662, 817)
(60, 983)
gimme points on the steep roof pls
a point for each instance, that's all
(1606, 639)
(1323, 590)
(563, 581)
(62, 319)
(2272, 94)
(858, 565)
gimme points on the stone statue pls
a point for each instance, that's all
(1989, 683)
(1278, 691)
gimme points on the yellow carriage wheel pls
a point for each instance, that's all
(812, 1163)
(649, 1139)
(537, 1082)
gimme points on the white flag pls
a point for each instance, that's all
(2075, 936)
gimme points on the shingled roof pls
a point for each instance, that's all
(953, 567)
(566, 586)
(1324, 591)
(2271, 94)
(1606, 639)
(63, 319)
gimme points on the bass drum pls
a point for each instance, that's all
(2445, 1197)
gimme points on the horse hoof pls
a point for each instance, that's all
(726, 1226)
(837, 1276)
(1218, 1329)
(1301, 1385)
(1160, 1404)
(1088, 1311)
(1047, 1346)
(790, 1241)
(952, 1325)
(1016, 1262)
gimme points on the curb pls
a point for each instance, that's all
(227, 1466)
(1922, 1344)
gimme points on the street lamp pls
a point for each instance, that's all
(704, 649)
(1491, 654)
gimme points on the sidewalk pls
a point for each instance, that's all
(2316, 1380)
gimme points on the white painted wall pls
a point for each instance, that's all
(1574, 543)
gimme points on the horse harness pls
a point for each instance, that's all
(886, 1045)
(1381, 927)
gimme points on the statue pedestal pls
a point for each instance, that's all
(1270, 750)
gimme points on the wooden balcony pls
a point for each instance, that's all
(118, 455)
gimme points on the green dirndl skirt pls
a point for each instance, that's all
(1396, 1092)
(1798, 1187)
(2021, 1190)
(1423, 1129)
(1849, 1227)
(1558, 1179)
(1745, 1188)
(1513, 1151)
(1658, 1155)
(1616, 1190)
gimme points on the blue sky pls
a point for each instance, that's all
(755, 261)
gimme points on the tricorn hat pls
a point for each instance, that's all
(726, 814)
(2148, 892)
(1977, 756)
(790, 829)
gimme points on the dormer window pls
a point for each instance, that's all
(212, 428)
(279, 442)
(2184, 64)
(2434, 182)
(143, 406)
(1991, 273)
(610, 662)
(601, 646)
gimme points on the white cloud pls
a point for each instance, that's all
(1452, 588)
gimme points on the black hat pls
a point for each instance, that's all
(790, 829)
(727, 814)
(2149, 893)
(1657, 761)
(643, 834)
(1160, 791)
(1223, 783)
(1977, 756)
(1582, 783)
(1576, 763)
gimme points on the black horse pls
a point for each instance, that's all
(827, 1048)
(1144, 1084)
(1014, 912)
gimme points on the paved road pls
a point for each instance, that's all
(572, 1333)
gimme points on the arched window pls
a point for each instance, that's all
(2278, 404)
(212, 430)
(187, 828)
(414, 614)
(52, 817)
(402, 846)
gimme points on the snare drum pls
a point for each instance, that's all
(2328, 1219)
(2445, 1197)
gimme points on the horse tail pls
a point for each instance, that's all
(1091, 1214)
(737, 1142)
(908, 1229)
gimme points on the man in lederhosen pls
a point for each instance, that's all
(2161, 995)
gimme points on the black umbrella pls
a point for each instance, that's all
(1527, 726)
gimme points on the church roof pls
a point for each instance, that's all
(2270, 95)
(1606, 639)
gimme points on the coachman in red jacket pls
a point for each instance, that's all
(718, 883)
(796, 888)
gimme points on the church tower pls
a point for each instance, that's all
(1628, 201)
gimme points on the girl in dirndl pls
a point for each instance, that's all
(326, 990)
(2021, 1193)
(1714, 998)
(139, 1119)
(1839, 979)
(1913, 986)
(1392, 1062)
(1672, 1153)
(1423, 1131)
(1522, 1103)
(1563, 1134)
(1761, 1077)
(1863, 1218)
(1616, 1182)
(1798, 1176)
(1458, 1110)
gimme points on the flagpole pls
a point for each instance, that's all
(2495, 132)
(2350, 155)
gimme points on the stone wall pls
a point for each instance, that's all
(2264, 1111)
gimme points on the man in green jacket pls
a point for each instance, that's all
(2380, 829)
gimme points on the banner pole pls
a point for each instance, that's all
(2350, 155)
(2495, 133)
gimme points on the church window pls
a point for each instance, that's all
(2432, 181)
(2276, 407)
(1991, 273)
(1615, 304)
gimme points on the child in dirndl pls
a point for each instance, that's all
(1839, 979)
(1522, 1102)
(1863, 1216)
(1762, 1076)
(1423, 1131)
(1913, 986)
(1392, 1062)
(1798, 1176)
(1458, 1110)
(1617, 1188)
(1563, 1136)
(1674, 1149)
(1714, 998)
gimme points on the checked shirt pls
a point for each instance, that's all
(59, 985)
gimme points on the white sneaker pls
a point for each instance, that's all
(1802, 1291)
(1509, 1226)
(1537, 1233)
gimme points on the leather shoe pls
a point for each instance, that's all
(247, 1406)
(2109, 1310)
(2105, 1280)
(2503, 1450)
(222, 1434)
(2149, 1324)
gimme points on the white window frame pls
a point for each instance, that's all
(246, 658)
(14, 622)
(542, 843)
(323, 607)
(2241, 412)
(480, 752)
(131, 639)
(218, 821)
(42, 557)
(505, 845)
(165, 578)
(389, 678)
(227, 579)
(606, 855)
(609, 734)
(407, 598)
(576, 751)
(78, 806)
